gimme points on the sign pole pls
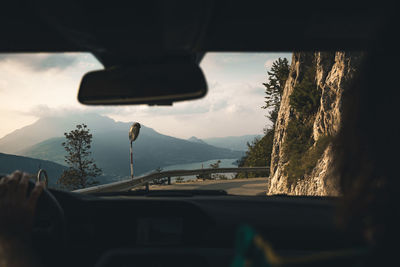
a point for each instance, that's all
(133, 135)
(131, 160)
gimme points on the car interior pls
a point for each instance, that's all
(159, 44)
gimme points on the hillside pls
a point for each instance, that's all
(231, 142)
(111, 145)
(10, 163)
(196, 140)
(46, 128)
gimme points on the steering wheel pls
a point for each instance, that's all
(49, 229)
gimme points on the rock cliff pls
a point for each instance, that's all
(334, 73)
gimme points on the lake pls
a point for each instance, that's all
(225, 163)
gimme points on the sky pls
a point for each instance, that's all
(39, 85)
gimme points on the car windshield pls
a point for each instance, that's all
(264, 127)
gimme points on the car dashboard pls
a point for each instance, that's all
(123, 230)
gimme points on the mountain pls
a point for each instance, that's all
(110, 147)
(10, 163)
(196, 140)
(232, 142)
(49, 127)
(48, 149)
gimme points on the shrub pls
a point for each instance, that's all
(305, 98)
(221, 177)
(159, 181)
(257, 155)
(301, 164)
(179, 180)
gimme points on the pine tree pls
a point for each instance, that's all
(306, 97)
(215, 165)
(277, 77)
(259, 151)
(82, 169)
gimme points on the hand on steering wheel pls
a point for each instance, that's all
(17, 206)
(31, 220)
(17, 213)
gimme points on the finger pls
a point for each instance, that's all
(35, 194)
(6, 179)
(23, 186)
(2, 189)
(14, 179)
(4, 184)
(16, 175)
(11, 184)
(3, 179)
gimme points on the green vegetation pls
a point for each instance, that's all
(215, 165)
(82, 169)
(277, 77)
(258, 154)
(209, 176)
(179, 180)
(110, 149)
(159, 181)
(217, 176)
(301, 151)
(305, 98)
(259, 151)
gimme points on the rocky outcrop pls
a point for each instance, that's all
(334, 74)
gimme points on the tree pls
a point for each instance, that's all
(82, 169)
(159, 181)
(306, 97)
(258, 155)
(277, 77)
(215, 165)
(208, 176)
(259, 151)
(179, 180)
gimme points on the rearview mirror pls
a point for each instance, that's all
(154, 84)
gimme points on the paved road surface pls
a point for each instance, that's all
(248, 187)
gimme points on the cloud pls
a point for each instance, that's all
(42, 61)
(43, 111)
(55, 62)
(228, 109)
(43, 85)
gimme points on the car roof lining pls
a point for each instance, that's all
(150, 31)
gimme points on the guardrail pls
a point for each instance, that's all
(143, 180)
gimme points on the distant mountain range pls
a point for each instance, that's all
(46, 128)
(196, 140)
(110, 148)
(238, 143)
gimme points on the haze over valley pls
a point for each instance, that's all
(39, 145)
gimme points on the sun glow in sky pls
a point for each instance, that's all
(39, 85)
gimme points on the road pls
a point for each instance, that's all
(247, 187)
